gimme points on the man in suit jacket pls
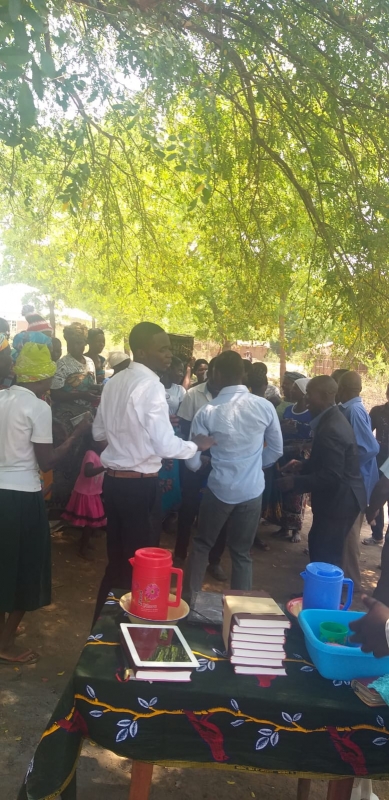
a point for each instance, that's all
(332, 474)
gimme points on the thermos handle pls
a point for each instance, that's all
(177, 601)
(350, 591)
(132, 561)
(303, 575)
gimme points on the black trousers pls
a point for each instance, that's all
(130, 505)
(192, 483)
(377, 530)
(327, 536)
(381, 592)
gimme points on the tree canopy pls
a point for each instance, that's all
(214, 165)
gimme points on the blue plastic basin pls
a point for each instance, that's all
(338, 663)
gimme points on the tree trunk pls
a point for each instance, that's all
(51, 304)
(93, 322)
(226, 345)
(281, 325)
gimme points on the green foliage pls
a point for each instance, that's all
(241, 173)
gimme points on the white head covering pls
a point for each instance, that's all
(302, 384)
(117, 357)
(272, 392)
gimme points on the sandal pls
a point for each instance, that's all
(26, 658)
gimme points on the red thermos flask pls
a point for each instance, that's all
(151, 578)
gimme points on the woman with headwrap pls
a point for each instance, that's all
(287, 387)
(297, 435)
(25, 447)
(73, 392)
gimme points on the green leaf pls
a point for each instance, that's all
(14, 8)
(21, 38)
(37, 23)
(180, 168)
(171, 157)
(206, 195)
(11, 73)
(192, 205)
(37, 80)
(47, 65)
(13, 56)
(27, 110)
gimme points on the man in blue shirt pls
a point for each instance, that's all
(242, 425)
(350, 404)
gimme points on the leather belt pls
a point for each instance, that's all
(119, 473)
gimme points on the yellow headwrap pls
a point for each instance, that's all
(34, 363)
(3, 342)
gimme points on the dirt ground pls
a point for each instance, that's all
(28, 694)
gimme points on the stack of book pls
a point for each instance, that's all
(157, 653)
(254, 633)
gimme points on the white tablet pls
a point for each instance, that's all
(158, 646)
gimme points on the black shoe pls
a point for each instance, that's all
(217, 572)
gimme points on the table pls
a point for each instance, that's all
(301, 724)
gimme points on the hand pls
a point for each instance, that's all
(289, 426)
(174, 420)
(203, 442)
(285, 484)
(292, 467)
(205, 462)
(369, 630)
(371, 515)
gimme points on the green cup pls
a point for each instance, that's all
(333, 633)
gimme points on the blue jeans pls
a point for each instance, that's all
(243, 520)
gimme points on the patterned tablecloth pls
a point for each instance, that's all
(300, 724)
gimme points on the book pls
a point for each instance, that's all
(368, 696)
(246, 670)
(157, 652)
(275, 642)
(177, 676)
(259, 661)
(252, 611)
(206, 609)
(246, 631)
(258, 654)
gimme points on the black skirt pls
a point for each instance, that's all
(25, 557)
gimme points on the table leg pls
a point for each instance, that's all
(141, 777)
(340, 789)
(303, 788)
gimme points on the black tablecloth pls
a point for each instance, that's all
(301, 723)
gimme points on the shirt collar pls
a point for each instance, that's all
(315, 421)
(352, 402)
(240, 388)
(136, 366)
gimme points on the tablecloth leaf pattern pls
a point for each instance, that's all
(300, 724)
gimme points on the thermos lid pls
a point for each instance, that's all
(153, 557)
(328, 572)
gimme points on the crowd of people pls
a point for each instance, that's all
(159, 437)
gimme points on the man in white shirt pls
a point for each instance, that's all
(241, 424)
(192, 483)
(133, 417)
